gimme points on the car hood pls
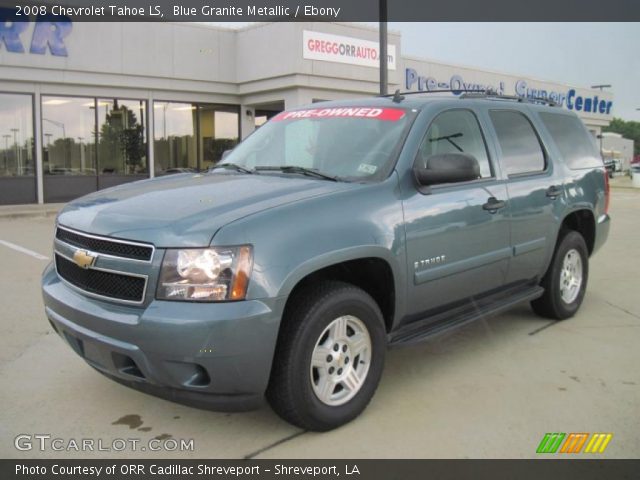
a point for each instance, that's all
(186, 209)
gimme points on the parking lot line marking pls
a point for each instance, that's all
(26, 251)
(274, 444)
(544, 327)
(621, 309)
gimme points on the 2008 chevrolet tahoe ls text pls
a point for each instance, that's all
(327, 235)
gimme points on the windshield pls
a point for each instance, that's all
(350, 143)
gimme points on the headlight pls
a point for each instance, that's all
(205, 274)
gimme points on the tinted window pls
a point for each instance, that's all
(453, 132)
(122, 136)
(521, 150)
(572, 139)
(190, 136)
(16, 128)
(74, 144)
(69, 131)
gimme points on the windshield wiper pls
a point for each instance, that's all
(232, 166)
(312, 172)
(448, 139)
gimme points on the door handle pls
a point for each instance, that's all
(553, 192)
(493, 205)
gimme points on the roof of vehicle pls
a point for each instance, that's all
(419, 100)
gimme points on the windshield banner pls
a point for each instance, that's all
(387, 114)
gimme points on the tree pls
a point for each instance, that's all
(628, 129)
(122, 139)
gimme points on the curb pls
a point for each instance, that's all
(624, 187)
(13, 215)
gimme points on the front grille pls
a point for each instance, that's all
(109, 247)
(98, 282)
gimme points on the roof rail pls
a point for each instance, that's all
(398, 96)
(493, 94)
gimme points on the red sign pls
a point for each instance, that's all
(387, 114)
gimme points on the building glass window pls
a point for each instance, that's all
(16, 130)
(218, 132)
(192, 137)
(122, 136)
(68, 129)
(70, 134)
(175, 133)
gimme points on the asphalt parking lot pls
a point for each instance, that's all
(490, 390)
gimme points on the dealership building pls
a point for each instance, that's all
(86, 106)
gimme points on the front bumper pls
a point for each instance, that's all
(208, 355)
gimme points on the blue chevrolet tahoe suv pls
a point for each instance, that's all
(331, 233)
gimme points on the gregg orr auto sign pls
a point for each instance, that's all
(336, 48)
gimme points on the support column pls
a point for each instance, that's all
(37, 138)
(247, 121)
(151, 118)
(295, 98)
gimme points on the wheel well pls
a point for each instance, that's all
(373, 275)
(583, 222)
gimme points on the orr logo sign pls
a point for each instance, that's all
(349, 50)
(46, 36)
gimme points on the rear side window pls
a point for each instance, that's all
(521, 149)
(572, 139)
(456, 131)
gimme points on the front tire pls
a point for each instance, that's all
(565, 282)
(329, 357)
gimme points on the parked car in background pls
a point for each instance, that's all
(173, 170)
(610, 165)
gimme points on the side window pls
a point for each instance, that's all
(572, 139)
(521, 149)
(456, 131)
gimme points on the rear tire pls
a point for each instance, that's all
(329, 357)
(565, 282)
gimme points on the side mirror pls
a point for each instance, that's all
(226, 153)
(446, 168)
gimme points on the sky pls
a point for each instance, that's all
(579, 54)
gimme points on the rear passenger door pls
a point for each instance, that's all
(535, 193)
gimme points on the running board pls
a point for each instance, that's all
(420, 330)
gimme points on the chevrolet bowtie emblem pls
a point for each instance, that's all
(84, 258)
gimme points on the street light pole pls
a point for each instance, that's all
(57, 124)
(6, 150)
(384, 77)
(15, 145)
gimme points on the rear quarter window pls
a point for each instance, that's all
(574, 142)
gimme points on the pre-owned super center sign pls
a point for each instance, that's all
(336, 48)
